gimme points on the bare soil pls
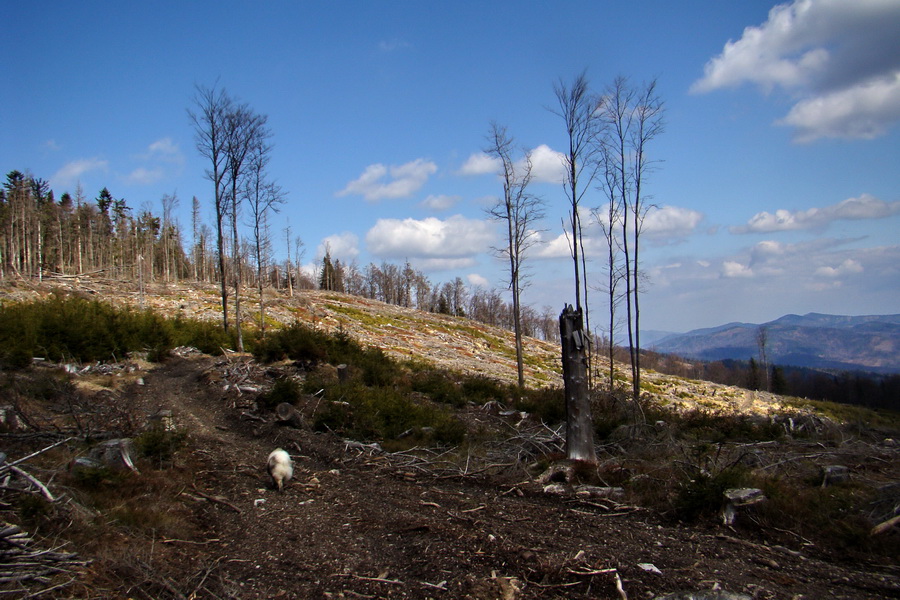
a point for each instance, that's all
(354, 523)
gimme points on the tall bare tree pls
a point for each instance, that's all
(576, 107)
(244, 131)
(519, 210)
(263, 197)
(212, 105)
(632, 118)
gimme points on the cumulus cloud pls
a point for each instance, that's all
(478, 280)
(379, 182)
(480, 164)
(431, 239)
(342, 246)
(440, 202)
(864, 111)
(71, 172)
(547, 165)
(560, 247)
(671, 222)
(840, 60)
(862, 207)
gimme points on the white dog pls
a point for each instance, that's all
(280, 468)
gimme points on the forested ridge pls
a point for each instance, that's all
(43, 237)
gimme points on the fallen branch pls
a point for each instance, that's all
(375, 579)
(884, 526)
(34, 481)
(216, 499)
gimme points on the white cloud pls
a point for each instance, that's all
(732, 269)
(848, 267)
(342, 246)
(671, 222)
(160, 158)
(480, 164)
(71, 172)
(862, 207)
(440, 202)
(478, 280)
(431, 238)
(378, 182)
(144, 176)
(559, 247)
(52, 146)
(864, 111)
(840, 60)
(164, 149)
(547, 165)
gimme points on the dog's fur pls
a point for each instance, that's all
(280, 468)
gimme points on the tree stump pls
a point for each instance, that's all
(287, 414)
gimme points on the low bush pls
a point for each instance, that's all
(285, 390)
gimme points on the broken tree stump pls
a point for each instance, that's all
(579, 429)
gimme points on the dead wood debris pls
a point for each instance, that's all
(21, 567)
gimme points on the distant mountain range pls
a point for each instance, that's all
(828, 342)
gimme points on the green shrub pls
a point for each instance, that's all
(439, 386)
(703, 494)
(479, 390)
(159, 445)
(285, 390)
(548, 404)
(208, 337)
(297, 342)
(385, 414)
(70, 328)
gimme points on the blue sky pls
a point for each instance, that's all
(778, 190)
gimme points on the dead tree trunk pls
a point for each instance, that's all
(579, 428)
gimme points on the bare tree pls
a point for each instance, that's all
(631, 118)
(263, 197)
(576, 108)
(519, 210)
(209, 118)
(244, 132)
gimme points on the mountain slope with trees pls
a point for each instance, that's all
(826, 342)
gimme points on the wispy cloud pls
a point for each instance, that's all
(160, 159)
(73, 171)
(393, 45)
(839, 60)
(864, 206)
(378, 182)
(144, 176)
(440, 202)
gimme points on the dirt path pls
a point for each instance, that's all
(351, 525)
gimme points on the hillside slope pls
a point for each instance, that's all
(453, 343)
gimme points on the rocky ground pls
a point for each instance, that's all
(357, 522)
